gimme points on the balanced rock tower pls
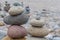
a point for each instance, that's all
(15, 19)
(37, 29)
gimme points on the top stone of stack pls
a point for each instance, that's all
(16, 10)
(37, 23)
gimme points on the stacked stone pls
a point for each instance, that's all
(37, 29)
(16, 4)
(16, 18)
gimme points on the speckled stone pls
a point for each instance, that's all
(38, 32)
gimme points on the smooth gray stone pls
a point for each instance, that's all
(16, 20)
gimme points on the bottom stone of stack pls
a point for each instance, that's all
(8, 38)
(38, 32)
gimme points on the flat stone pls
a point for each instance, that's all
(19, 20)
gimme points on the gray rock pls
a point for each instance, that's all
(19, 20)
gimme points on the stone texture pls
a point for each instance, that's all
(15, 31)
(16, 10)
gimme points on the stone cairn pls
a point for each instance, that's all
(7, 6)
(16, 18)
(36, 29)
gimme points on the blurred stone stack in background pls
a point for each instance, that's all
(36, 29)
(7, 6)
